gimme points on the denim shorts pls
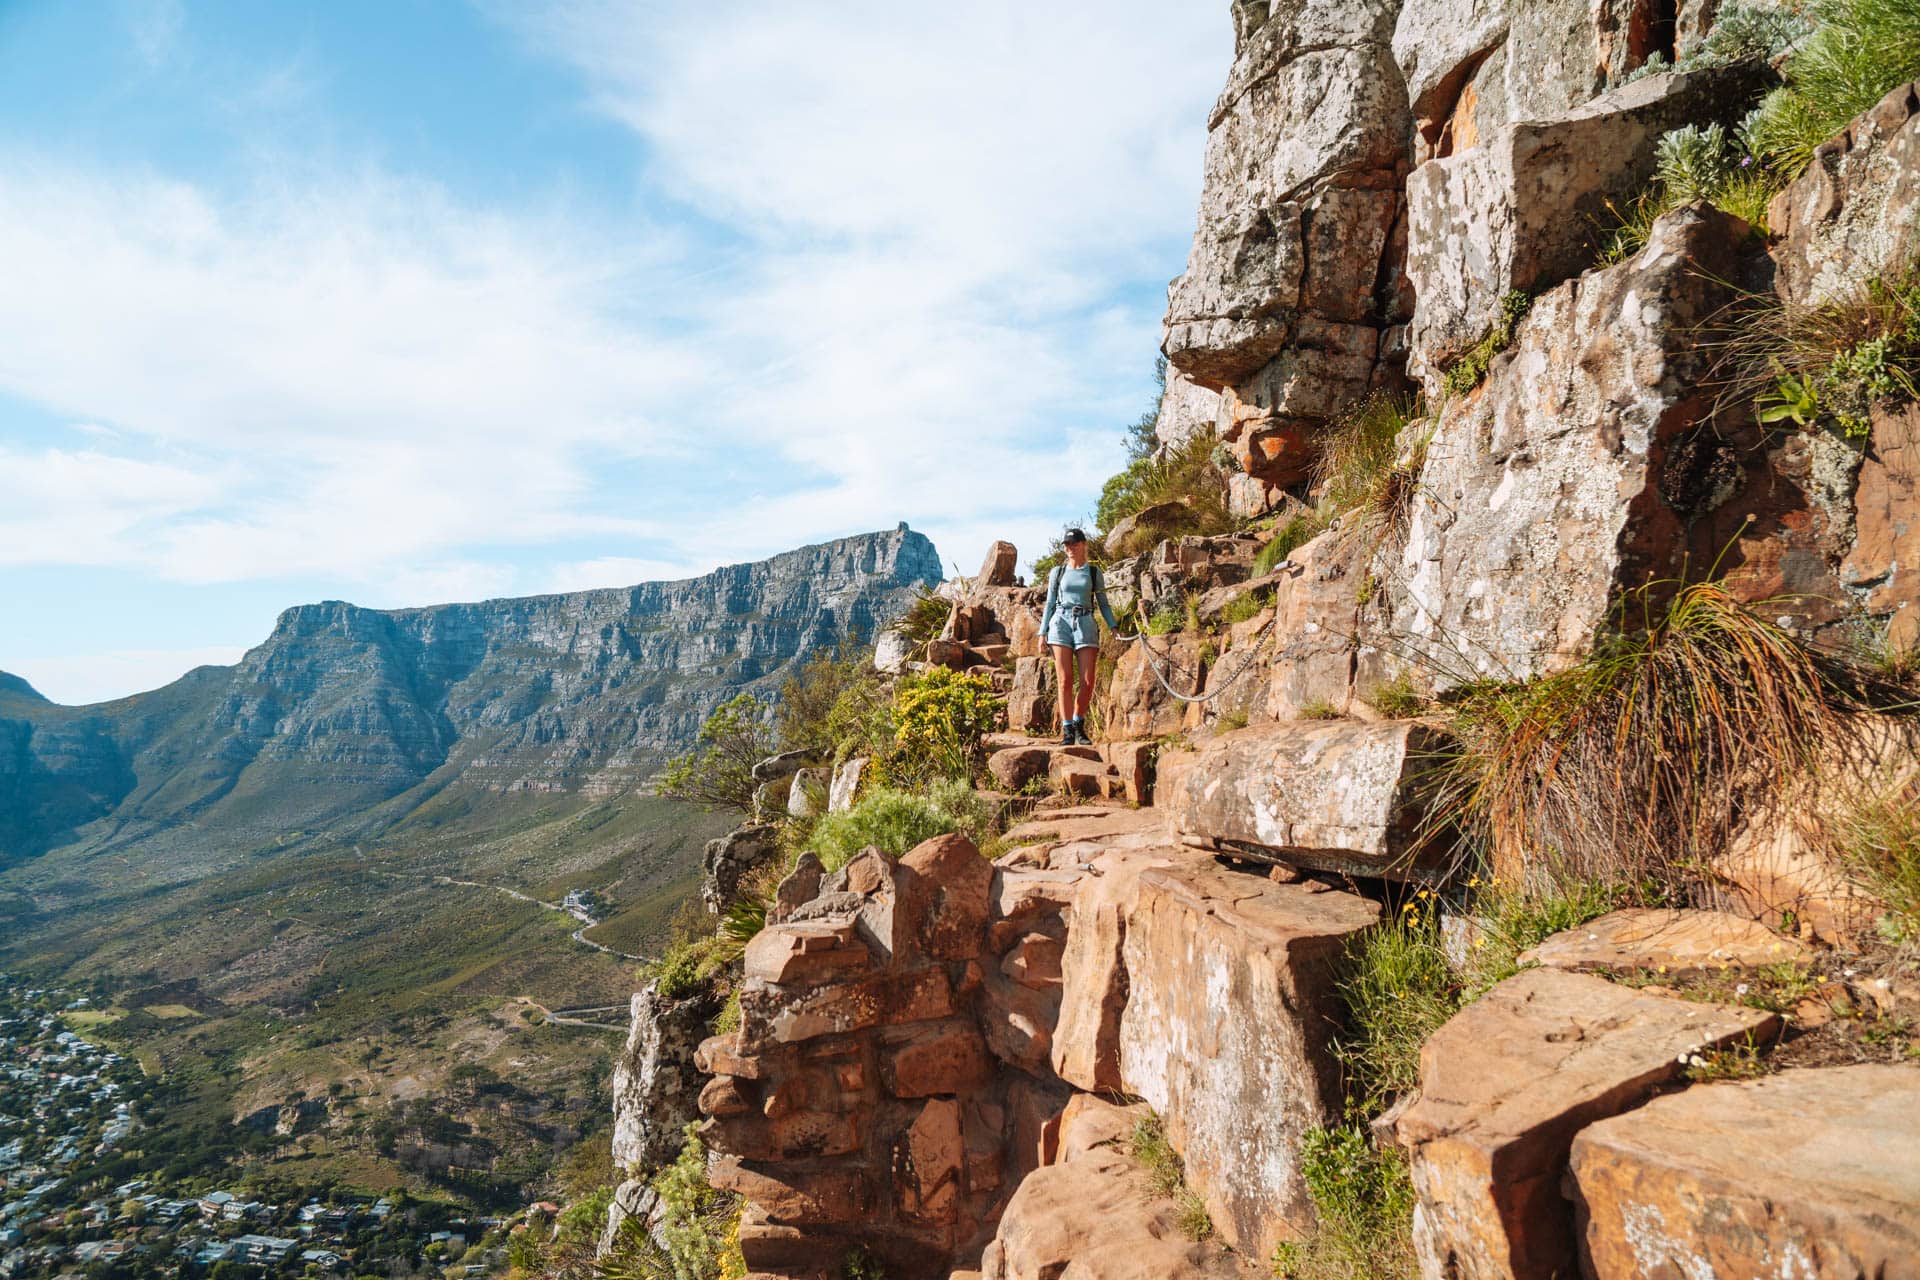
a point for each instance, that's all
(1076, 631)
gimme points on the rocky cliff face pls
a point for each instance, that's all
(933, 1053)
(343, 709)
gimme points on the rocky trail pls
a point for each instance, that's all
(1133, 1042)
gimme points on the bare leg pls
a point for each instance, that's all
(1089, 664)
(1063, 677)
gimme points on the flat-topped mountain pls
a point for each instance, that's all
(360, 715)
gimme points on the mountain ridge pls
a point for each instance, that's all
(346, 714)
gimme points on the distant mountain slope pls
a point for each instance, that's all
(350, 718)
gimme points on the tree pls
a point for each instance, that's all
(718, 774)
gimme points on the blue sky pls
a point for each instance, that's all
(410, 301)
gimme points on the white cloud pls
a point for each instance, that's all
(938, 224)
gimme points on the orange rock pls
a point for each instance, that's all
(796, 1191)
(931, 1187)
(1506, 1084)
(805, 953)
(950, 889)
(1235, 1091)
(1669, 940)
(1812, 1174)
(934, 1058)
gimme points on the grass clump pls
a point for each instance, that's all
(1398, 990)
(1398, 698)
(1880, 847)
(1245, 608)
(1825, 365)
(1168, 1174)
(1297, 532)
(1359, 469)
(925, 618)
(1466, 373)
(1364, 1200)
(1319, 709)
(1636, 766)
(1734, 1062)
(1860, 50)
(894, 821)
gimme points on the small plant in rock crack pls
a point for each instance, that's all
(1733, 1062)
(1795, 398)
(1148, 1144)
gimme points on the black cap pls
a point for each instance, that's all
(1074, 535)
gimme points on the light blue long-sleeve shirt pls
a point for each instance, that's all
(1074, 591)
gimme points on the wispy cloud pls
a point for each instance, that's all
(917, 281)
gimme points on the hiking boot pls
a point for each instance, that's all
(1069, 734)
(1080, 737)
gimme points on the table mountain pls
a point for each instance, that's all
(356, 716)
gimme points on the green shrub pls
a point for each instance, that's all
(895, 821)
(1319, 709)
(1356, 468)
(939, 717)
(925, 618)
(1185, 482)
(698, 1235)
(718, 774)
(1741, 33)
(831, 702)
(1467, 372)
(1398, 990)
(1826, 364)
(1297, 532)
(1245, 608)
(1860, 50)
(1364, 1200)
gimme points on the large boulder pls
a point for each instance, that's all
(1293, 273)
(1849, 218)
(1231, 1001)
(1187, 409)
(731, 858)
(1338, 795)
(1882, 567)
(1810, 1174)
(1474, 66)
(1520, 211)
(1504, 1087)
(656, 1083)
(1550, 490)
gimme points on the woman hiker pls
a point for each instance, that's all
(1072, 589)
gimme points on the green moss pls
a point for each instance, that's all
(1469, 370)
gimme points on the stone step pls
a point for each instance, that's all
(1113, 771)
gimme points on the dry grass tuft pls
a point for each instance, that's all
(1637, 765)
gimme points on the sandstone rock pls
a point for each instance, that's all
(951, 888)
(806, 954)
(784, 765)
(1849, 218)
(730, 858)
(1335, 795)
(891, 652)
(1014, 767)
(1237, 1090)
(848, 1006)
(634, 1198)
(1133, 761)
(1187, 409)
(846, 784)
(1780, 868)
(1072, 776)
(770, 799)
(656, 1085)
(1808, 1173)
(1472, 66)
(934, 1058)
(1519, 211)
(1134, 704)
(1031, 704)
(1674, 940)
(796, 1190)
(1883, 563)
(797, 888)
(1094, 1217)
(1542, 494)
(1506, 1084)
(1000, 566)
(1282, 297)
(1316, 619)
(808, 796)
